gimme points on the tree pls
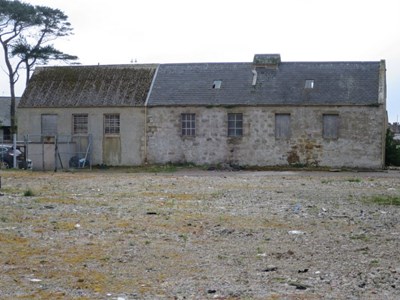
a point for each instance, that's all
(25, 31)
(392, 153)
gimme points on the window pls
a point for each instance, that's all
(111, 124)
(282, 126)
(6, 133)
(49, 125)
(188, 122)
(217, 84)
(330, 128)
(309, 84)
(80, 123)
(235, 124)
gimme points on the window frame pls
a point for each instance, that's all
(217, 83)
(45, 124)
(332, 121)
(309, 84)
(80, 123)
(112, 124)
(188, 124)
(283, 132)
(235, 125)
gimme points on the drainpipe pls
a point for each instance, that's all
(145, 115)
(254, 77)
(382, 101)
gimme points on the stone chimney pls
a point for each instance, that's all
(271, 61)
(264, 61)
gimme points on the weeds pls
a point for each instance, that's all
(374, 262)
(360, 237)
(354, 180)
(29, 193)
(184, 237)
(383, 200)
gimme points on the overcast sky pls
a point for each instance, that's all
(163, 31)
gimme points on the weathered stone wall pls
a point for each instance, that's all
(360, 142)
(130, 137)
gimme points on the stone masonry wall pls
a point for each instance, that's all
(360, 142)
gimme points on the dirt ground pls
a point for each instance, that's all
(199, 235)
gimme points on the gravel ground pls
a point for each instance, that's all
(199, 235)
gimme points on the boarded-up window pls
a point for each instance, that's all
(330, 128)
(111, 124)
(235, 124)
(80, 123)
(188, 124)
(49, 125)
(282, 126)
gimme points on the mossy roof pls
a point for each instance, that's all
(88, 86)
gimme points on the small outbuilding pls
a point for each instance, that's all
(96, 110)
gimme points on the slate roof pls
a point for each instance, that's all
(278, 83)
(335, 83)
(88, 86)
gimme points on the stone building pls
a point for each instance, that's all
(261, 113)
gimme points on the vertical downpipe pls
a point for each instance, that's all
(382, 101)
(145, 135)
(145, 115)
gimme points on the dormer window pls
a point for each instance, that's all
(217, 84)
(309, 84)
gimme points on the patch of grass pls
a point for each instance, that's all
(325, 181)
(169, 168)
(64, 226)
(360, 237)
(165, 168)
(383, 200)
(374, 262)
(184, 237)
(279, 279)
(10, 190)
(90, 280)
(29, 193)
(56, 200)
(354, 180)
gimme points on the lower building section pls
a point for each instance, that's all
(326, 136)
(268, 136)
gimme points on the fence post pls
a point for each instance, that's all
(14, 150)
(26, 139)
(42, 137)
(55, 152)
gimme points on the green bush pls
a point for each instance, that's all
(29, 193)
(392, 151)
